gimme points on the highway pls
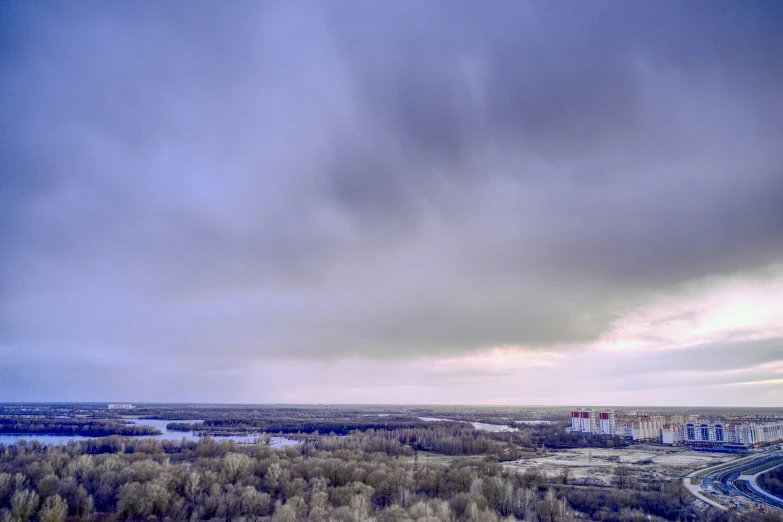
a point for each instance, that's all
(726, 485)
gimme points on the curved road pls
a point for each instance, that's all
(726, 483)
(761, 493)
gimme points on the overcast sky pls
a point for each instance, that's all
(403, 202)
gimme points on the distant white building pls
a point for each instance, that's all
(606, 424)
(586, 421)
(757, 433)
(583, 421)
(121, 406)
(647, 427)
(707, 433)
(750, 434)
(672, 434)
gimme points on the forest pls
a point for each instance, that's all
(366, 476)
(83, 427)
(348, 464)
(772, 481)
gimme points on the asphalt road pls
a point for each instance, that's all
(726, 483)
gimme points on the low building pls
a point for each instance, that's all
(121, 406)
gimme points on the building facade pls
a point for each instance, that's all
(647, 427)
(757, 434)
(672, 434)
(583, 421)
(706, 433)
(606, 423)
(737, 431)
(749, 434)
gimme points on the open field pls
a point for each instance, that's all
(662, 463)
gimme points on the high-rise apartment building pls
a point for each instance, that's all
(750, 434)
(583, 420)
(676, 419)
(606, 423)
(672, 434)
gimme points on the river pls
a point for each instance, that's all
(277, 442)
(477, 425)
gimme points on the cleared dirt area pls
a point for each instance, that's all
(644, 460)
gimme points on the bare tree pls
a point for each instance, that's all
(24, 504)
(54, 509)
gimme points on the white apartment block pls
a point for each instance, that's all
(751, 434)
(647, 428)
(583, 421)
(758, 433)
(677, 419)
(694, 432)
(587, 421)
(606, 423)
(673, 434)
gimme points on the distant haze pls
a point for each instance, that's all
(501, 202)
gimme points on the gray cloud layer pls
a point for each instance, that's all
(231, 182)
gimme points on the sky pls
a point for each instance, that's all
(421, 201)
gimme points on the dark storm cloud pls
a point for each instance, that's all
(719, 356)
(385, 180)
(631, 109)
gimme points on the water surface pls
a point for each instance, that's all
(478, 425)
(277, 442)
